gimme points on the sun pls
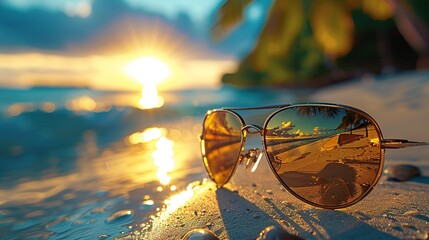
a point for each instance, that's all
(149, 71)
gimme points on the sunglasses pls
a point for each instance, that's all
(328, 155)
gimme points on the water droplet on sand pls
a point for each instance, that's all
(120, 216)
(56, 221)
(97, 210)
(402, 172)
(200, 234)
(77, 222)
(103, 236)
(273, 233)
(147, 204)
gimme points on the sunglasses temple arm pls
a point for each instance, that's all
(400, 143)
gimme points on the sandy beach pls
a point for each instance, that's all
(252, 201)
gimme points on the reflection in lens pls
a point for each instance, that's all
(221, 144)
(327, 156)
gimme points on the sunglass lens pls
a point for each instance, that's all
(327, 156)
(221, 145)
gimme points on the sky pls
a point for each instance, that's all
(168, 8)
(91, 42)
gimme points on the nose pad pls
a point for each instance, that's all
(251, 159)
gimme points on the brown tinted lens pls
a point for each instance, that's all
(221, 144)
(327, 156)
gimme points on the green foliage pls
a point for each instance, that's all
(301, 36)
(304, 61)
(229, 16)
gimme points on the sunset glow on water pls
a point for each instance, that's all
(150, 72)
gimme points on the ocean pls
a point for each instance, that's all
(77, 163)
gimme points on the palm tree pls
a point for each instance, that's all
(331, 23)
(353, 119)
(328, 112)
(349, 119)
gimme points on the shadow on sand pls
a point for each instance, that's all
(244, 220)
(420, 179)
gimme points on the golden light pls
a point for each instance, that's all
(83, 103)
(150, 71)
(180, 199)
(147, 135)
(163, 154)
(164, 159)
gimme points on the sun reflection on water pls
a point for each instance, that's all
(164, 159)
(163, 155)
(150, 71)
(147, 135)
(150, 97)
(86, 104)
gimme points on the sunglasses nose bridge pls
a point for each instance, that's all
(252, 129)
(253, 156)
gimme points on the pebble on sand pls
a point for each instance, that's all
(272, 233)
(402, 172)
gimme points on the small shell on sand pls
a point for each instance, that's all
(402, 172)
(272, 233)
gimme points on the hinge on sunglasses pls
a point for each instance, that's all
(399, 143)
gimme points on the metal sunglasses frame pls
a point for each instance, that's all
(245, 129)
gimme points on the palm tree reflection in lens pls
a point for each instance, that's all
(318, 159)
(221, 145)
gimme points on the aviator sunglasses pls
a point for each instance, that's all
(328, 155)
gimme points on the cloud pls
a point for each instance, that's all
(287, 125)
(316, 131)
(42, 29)
(39, 29)
(39, 46)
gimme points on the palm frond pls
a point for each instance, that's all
(332, 26)
(285, 20)
(229, 16)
